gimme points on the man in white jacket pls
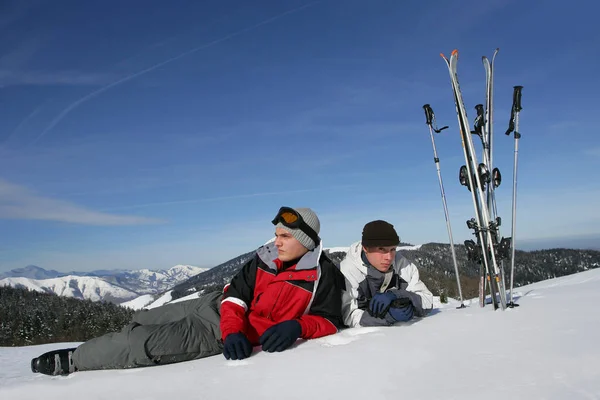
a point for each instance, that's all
(382, 286)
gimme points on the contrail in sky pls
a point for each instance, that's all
(232, 197)
(127, 78)
(22, 123)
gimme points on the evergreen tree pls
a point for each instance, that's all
(28, 317)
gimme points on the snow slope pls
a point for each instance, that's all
(162, 300)
(147, 301)
(139, 302)
(546, 348)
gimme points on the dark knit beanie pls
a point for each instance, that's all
(379, 233)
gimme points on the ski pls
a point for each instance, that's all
(475, 176)
(484, 127)
(489, 124)
(430, 121)
(484, 175)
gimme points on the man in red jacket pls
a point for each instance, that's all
(289, 290)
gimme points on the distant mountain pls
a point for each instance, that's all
(79, 287)
(146, 281)
(30, 271)
(115, 286)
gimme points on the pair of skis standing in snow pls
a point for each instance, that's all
(490, 250)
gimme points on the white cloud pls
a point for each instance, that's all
(18, 202)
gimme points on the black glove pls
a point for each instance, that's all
(281, 336)
(237, 346)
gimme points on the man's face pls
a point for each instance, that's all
(289, 247)
(381, 257)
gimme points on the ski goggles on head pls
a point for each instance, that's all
(292, 219)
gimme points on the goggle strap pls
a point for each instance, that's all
(310, 232)
(298, 224)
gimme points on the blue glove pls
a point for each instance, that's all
(402, 314)
(380, 303)
(237, 346)
(281, 336)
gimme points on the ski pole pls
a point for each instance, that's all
(513, 125)
(430, 120)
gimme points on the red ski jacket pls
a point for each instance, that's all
(266, 291)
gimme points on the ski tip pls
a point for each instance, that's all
(442, 55)
(455, 52)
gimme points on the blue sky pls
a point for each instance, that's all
(147, 133)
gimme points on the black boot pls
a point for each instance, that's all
(56, 362)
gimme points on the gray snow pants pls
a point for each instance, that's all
(171, 333)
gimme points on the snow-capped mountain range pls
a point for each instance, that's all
(116, 286)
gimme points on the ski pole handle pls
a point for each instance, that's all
(517, 98)
(479, 120)
(479, 109)
(428, 114)
(516, 108)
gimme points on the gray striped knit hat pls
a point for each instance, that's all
(311, 220)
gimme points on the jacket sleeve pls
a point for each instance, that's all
(351, 312)
(415, 290)
(237, 298)
(325, 314)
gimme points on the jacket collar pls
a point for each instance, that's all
(268, 253)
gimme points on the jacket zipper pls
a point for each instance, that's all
(276, 300)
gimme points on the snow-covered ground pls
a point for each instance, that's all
(545, 349)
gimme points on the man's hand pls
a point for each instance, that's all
(281, 336)
(402, 314)
(237, 346)
(380, 303)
